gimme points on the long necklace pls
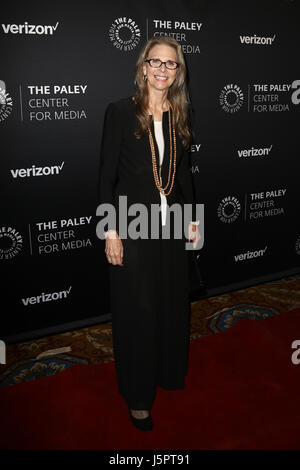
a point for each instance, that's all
(158, 180)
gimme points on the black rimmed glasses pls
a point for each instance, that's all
(156, 63)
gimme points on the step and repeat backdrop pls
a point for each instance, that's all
(62, 63)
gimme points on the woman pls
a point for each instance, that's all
(143, 136)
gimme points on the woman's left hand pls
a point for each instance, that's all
(194, 234)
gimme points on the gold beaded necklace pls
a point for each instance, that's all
(158, 181)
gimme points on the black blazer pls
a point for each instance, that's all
(126, 162)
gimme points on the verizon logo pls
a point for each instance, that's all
(253, 152)
(37, 171)
(47, 297)
(262, 40)
(250, 255)
(29, 28)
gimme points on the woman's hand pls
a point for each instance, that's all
(194, 234)
(114, 248)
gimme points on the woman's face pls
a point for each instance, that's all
(160, 78)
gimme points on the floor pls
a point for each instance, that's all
(38, 358)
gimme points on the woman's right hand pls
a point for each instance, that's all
(114, 248)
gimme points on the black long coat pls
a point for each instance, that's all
(149, 295)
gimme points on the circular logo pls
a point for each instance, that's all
(297, 246)
(125, 34)
(5, 103)
(231, 98)
(229, 209)
(10, 242)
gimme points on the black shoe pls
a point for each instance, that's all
(143, 424)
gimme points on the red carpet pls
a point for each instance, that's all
(242, 392)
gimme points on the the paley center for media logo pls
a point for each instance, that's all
(11, 242)
(125, 33)
(231, 98)
(6, 102)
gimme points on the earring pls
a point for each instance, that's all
(145, 78)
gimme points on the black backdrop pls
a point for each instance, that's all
(61, 64)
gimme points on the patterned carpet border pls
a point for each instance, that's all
(93, 345)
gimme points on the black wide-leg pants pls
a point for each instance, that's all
(150, 310)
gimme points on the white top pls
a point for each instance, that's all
(159, 136)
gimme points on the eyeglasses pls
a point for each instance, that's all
(156, 63)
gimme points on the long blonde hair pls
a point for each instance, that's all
(178, 94)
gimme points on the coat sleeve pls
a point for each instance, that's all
(185, 180)
(109, 158)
